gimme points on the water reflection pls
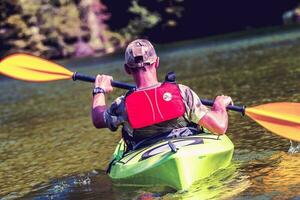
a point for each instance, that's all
(96, 185)
(275, 176)
(91, 185)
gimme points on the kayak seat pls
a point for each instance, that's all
(166, 147)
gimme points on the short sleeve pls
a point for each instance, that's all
(195, 110)
(114, 115)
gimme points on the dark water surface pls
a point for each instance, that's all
(49, 148)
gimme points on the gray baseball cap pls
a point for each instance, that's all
(139, 53)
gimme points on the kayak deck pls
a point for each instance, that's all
(194, 158)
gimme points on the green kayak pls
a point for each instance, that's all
(175, 163)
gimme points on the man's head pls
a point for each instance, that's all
(140, 54)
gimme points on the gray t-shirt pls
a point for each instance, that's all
(116, 114)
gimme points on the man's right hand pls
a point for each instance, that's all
(216, 120)
(221, 102)
(104, 82)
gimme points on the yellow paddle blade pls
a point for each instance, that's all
(281, 118)
(31, 68)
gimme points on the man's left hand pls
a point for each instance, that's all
(104, 82)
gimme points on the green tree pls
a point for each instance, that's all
(167, 13)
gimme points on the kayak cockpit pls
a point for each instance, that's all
(174, 163)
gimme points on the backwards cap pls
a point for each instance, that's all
(139, 53)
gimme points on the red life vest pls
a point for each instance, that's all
(148, 107)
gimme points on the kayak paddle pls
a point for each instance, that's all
(34, 69)
(282, 118)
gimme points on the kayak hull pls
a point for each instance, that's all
(193, 158)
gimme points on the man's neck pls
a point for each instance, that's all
(147, 81)
(146, 78)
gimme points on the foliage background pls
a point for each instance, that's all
(67, 28)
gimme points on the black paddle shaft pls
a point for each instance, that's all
(240, 109)
(127, 86)
(117, 84)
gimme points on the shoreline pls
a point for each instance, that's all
(231, 41)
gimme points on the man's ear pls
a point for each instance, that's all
(157, 62)
(127, 69)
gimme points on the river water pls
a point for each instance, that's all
(50, 150)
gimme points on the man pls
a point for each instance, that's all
(154, 108)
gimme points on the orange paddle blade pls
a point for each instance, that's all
(31, 68)
(281, 118)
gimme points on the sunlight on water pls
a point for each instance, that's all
(49, 148)
(223, 184)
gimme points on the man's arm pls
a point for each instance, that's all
(216, 120)
(99, 105)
